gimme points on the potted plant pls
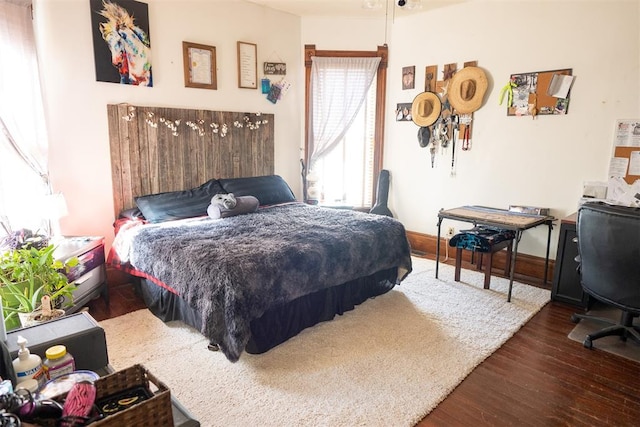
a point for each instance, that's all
(26, 275)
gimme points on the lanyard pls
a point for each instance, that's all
(465, 120)
(454, 130)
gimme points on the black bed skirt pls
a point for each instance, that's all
(281, 323)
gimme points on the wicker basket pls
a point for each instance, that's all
(154, 411)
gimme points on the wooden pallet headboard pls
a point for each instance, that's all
(155, 149)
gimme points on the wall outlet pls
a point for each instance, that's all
(450, 232)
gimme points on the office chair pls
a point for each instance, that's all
(609, 251)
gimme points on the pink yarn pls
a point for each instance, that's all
(80, 400)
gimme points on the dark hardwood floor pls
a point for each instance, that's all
(537, 378)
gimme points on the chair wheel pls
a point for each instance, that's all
(574, 318)
(587, 343)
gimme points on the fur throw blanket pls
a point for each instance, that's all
(232, 270)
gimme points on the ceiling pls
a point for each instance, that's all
(353, 8)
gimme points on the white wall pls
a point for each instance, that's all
(513, 160)
(75, 103)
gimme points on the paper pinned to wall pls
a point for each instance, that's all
(627, 133)
(634, 163)
(560, 85)
(618, 167)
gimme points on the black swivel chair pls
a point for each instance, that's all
(609, 250)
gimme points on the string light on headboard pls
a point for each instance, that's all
(131, 114)
(172, 125)
(249, 124)
(198, 126)
(149, 119)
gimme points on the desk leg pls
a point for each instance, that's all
(514, 252)
(546, 260)
(438, 246)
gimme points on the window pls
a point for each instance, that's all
(346, 158)
(24, 180)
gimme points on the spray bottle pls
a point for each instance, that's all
(26, 365)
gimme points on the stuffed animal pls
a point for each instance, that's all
(224, 200)
(226, 205)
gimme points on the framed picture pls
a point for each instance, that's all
(403, 112)
(408, 77)
(199, 65)
(247, 65)
(109, 21)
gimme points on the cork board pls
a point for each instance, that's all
(530, 96)
(627, 146)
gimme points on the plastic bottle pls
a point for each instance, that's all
(26, 365)
(31, 385)
(58, 362)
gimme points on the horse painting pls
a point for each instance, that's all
(129, 45)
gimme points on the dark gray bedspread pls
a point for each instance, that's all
(232, 270)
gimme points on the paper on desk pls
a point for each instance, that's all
(621, 193)
(594, 189)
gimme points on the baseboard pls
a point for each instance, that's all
(529, 267)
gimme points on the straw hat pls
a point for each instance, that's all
(425, 109)
(466, 89)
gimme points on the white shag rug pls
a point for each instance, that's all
(389, 362)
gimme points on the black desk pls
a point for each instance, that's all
(501, 218)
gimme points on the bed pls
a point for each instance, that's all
(251, 281)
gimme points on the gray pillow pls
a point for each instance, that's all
(268, 189)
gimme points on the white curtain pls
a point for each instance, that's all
(338, 89)
(24, 179)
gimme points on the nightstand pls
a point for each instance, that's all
(90, 275)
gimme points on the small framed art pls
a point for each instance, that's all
(199, 65)
(408, 77)
(247, 65)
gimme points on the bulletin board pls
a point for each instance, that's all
(530, 94)
(627, 150)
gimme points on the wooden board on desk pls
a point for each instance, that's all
(493, 215)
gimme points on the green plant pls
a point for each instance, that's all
(29, 273)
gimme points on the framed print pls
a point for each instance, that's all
(403, 112)
(121, 35)
(247, 65)
(199, 65)
(408, 77)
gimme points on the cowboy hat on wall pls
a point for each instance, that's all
(426, 109)
(467, 89)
